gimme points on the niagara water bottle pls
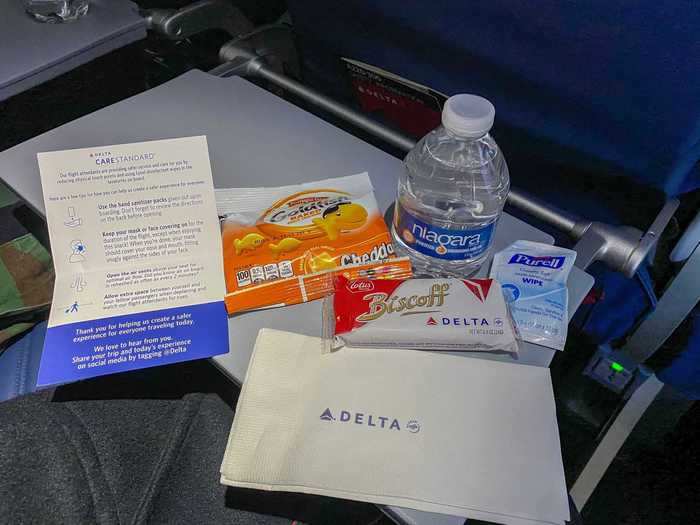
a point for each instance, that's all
(452, 192)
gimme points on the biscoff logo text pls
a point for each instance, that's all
(381, 303)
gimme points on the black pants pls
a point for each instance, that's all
(139, 447)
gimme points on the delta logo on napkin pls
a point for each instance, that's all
(370, 420)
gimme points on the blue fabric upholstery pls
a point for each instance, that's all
(683, 372)
(608, 81)
(19, 364)
(619, 304)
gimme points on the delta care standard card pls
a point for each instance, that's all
(137, 250)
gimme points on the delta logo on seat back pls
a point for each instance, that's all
(547, 261)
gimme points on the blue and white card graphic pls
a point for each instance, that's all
(137, 252)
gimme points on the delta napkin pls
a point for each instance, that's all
(427, 431)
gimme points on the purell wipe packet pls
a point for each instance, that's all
(533, 279)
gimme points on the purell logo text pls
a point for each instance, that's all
(381, 303)
(361, 286)
(444, 239)
(547, 261)
(370, 420)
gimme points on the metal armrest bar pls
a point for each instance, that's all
(622, 248)
(177, 24)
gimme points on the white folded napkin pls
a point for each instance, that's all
(427, 431)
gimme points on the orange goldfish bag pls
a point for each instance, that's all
(284, 245)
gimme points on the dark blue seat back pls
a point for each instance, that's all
(606, 82)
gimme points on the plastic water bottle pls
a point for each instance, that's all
(452, 192)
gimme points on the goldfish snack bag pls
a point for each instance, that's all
(284, 245)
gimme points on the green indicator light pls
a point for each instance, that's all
(617, 367)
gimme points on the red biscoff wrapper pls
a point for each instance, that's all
(467, 315)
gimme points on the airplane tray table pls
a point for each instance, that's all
(255, 139)
(32, 52)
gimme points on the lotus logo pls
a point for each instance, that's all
(361, 286)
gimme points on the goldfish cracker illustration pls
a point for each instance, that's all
(312, 230)
(289, 244)
(342, 216)
(320, 262)
(248, 243)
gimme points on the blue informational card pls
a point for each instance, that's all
(137, 251)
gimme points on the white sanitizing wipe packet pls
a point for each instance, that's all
(533, 278)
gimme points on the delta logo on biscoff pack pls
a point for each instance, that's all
(422, 314)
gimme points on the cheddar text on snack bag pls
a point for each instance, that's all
(381, 303)
(378, 253)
